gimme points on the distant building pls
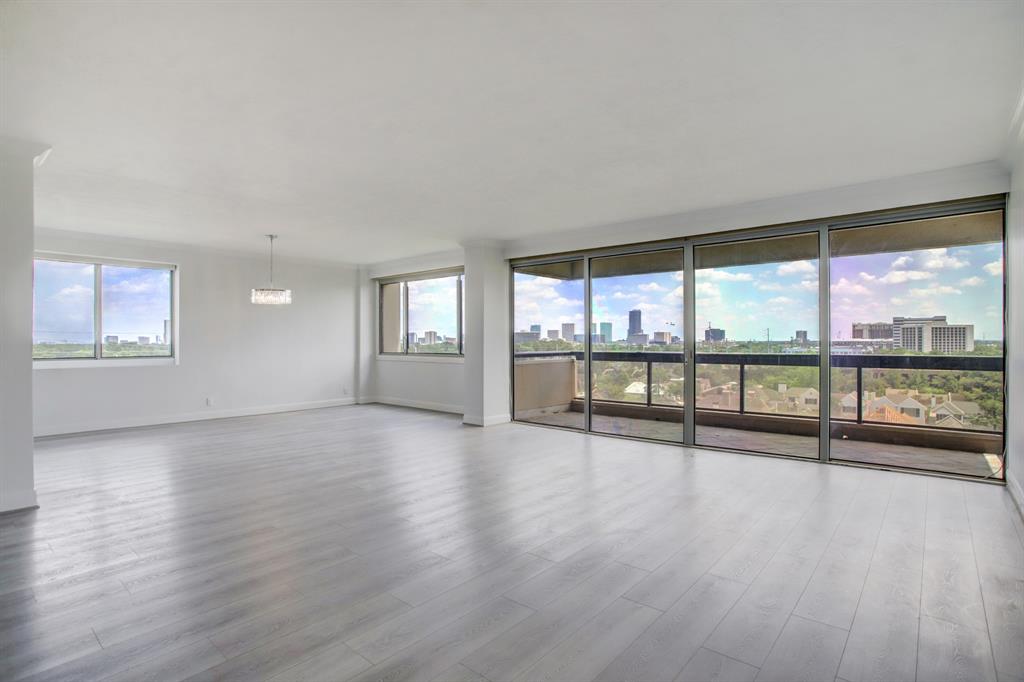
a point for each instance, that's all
(637, 339)
(412, 338)
(526, 337)
(143, 340)
(429, 338)
(579, 338)
(872, 330)
(535, 328)
(110, 339)
(569, 331)
(713, 335)
(635, 323)
(927, 334)
(662, 338)
(801, 337)
(553, 334)
(606, 331)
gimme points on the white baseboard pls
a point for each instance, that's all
(109, 424)
(419, 404)
(18, 500)
(489, 420)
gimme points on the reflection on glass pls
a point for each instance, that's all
(636, 327)
(757, 345)
(64, 310)
(917, 314)
(548, 344)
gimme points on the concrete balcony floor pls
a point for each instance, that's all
(981, 465)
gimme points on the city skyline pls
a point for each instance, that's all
(963, 283)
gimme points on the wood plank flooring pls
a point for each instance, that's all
(383, 543)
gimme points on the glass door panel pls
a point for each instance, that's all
(917, 344)
(637, 376)
(548, 344)
(757, 346)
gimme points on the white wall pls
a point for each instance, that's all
(247, 359)
(432, 383)
(1015, 331)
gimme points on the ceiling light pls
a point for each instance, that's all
(270, 295)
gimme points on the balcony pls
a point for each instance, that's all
(901, 419)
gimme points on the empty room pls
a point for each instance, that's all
(503, 341)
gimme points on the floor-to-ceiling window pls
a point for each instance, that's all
(548, 344)
(637, 383)
(917, 344)
(757, 345)
(904, 309)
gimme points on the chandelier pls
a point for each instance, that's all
(270, 295)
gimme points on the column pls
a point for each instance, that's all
(18, 159)
(486, 348)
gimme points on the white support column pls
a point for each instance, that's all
(366, 334)
(486, 334)
(18, 159)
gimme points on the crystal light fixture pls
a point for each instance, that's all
(270, 295)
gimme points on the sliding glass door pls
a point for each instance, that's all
(876, 339)
(757, 382)
(637, 377)
(917, 344)
(548, 345)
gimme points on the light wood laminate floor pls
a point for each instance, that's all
(382, 543)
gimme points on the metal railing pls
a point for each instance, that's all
(972, 363)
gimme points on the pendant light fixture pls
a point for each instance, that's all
(270, 295)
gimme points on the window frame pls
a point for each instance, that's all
(98, 358)
(403, 280)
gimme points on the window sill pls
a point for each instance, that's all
(78, 363)
(417, 357)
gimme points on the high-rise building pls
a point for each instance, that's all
(661, 338)
(535, 328)
(593, 328)
(637, 339)
(411, 339)
(429, 338)
(569, 331)
(927, 334)
(525, 337)
(872, 330)
(606, 331)
(635, 323)
(110, 339)
(143, 340)
(714, 335)
(552, 333)
(801, 337)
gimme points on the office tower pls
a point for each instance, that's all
(926, 334)
(801, 337)
(569, 331)
(552, 333)
(635, 323)
(606, 331)
(872, 330)
(535, 328)
(713, 335)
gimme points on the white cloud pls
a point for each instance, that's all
(971, 282)
(797, 267)
(867, 278)
(939, 259)
(901, 262)
(707, 289)
(848, 288)
(75, 292)
(768, 286)
(808, 285)
(621, 296)
(781, 300)
(650, 286)
(724, 275)
(995, 268)
(935, 290)
(901, 276)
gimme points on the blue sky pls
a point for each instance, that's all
(963, 283)
(136, 301)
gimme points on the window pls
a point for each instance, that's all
(422, 314)
(93, 310)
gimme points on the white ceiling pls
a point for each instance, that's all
(365, 132)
